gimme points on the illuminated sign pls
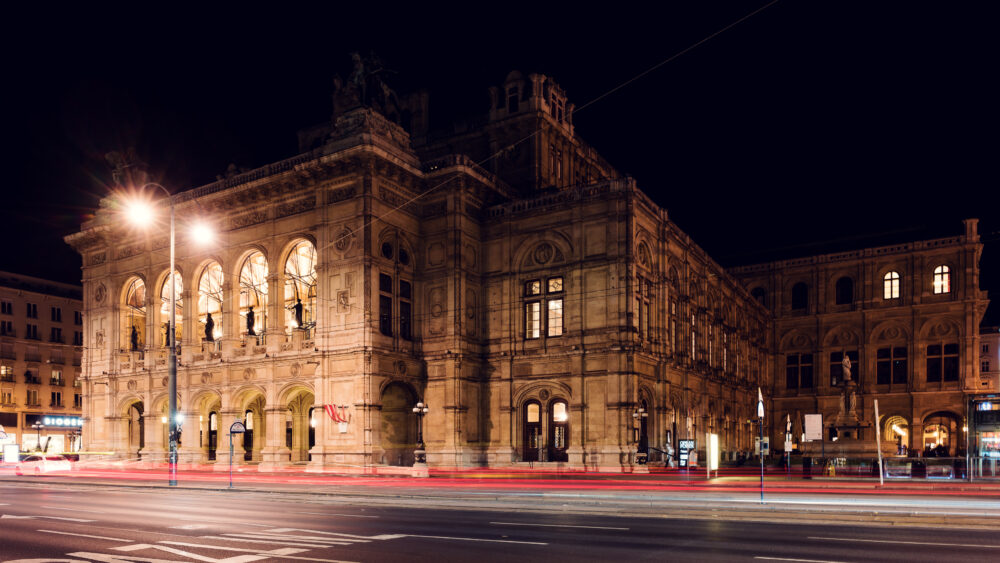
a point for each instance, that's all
(62, 421)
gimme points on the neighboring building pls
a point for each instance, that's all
(989, 358)
(41, 335)
(908, 318)
(545, 310)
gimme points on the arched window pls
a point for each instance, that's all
(253, 294)
(558, 431)
(800, 296)
(300, 287)
(210, 299)
(760, 295)
(532, 425)
(942, 279)
(134, 318)
(890, 285)
(165, 307)
(845, 291)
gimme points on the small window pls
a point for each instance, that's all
(6, 308)
(32, 311)
(534, 413)
(985, 367)
(559, 413)
(385, 283)
(533, 320)
(555, 285)
(77, 318)
(890, 285)
(387, 250)
(942, 279)
(404, 257)
(890, 365)
(56, 314)
(533, 287)
(800, 296)
(555, 320)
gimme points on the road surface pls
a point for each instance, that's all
(50, 522)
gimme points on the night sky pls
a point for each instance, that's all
(807, 127)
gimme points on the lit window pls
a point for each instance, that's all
(533, 319)
(555, 320)
(559, 413)
(890, 285)
(942, 279)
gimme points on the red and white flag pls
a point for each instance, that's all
(337, 414)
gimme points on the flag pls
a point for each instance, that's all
(760, 404)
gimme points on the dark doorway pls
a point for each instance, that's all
(399, 425)
(248, 436)
(532, 423)
(213, 434)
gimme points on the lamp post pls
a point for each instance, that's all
(639, 416)
(142, 214)
(38, 426)
(420, 456)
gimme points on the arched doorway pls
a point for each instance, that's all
(941, 434)
(399, 425)
(255, 435)
(558, 430)
(896, 430)
(299, 403)
(135, 429)
(531, 422)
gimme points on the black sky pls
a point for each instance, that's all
(808, 126)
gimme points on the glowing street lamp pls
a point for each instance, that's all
(140, 213)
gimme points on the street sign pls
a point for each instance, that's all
(237, 428)
(814, 427)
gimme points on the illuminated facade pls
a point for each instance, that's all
(41, 334)
(907, 316)
(545, 309)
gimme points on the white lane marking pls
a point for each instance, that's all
(799, 560)
(275, 542)
(338, 538)
(12, 517)
(190, 527)
(338, 534)
(907, 542)
(84, 536)
(236, 559)
(336, 514)
(476, 539)
(280, 551)
(281, 539)
(74, 509)
(556, 526)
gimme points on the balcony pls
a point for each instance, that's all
(7, 378)
(32, 380)
(56, 404)
(57, 381)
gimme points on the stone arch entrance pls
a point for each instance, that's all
(941, 434)
(399, 424)
(255, 435)
(299, 436)
(134, 430)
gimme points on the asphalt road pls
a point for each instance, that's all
(42, 522)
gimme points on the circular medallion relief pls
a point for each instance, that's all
(543, 253)
(544, 394)
(132, 385)
(165, 381)
(296, 369)
(248, 374)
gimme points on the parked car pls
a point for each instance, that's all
(39, 464)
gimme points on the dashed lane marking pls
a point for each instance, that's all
(557, 526)
(84, 536)
(477, 539)
(273, 542)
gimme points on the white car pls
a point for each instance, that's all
(39, 464)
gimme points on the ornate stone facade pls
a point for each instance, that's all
(542, 306)
(908, 318)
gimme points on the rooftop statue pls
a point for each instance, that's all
(365, 87)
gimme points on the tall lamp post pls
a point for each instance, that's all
(141, 214)
(420, 455)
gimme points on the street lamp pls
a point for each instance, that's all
(141, 214)
(38, 426)
(420, 456)
(639, 416)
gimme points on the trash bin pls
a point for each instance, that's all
(918, 470)
(807, 467)
(960, 469)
